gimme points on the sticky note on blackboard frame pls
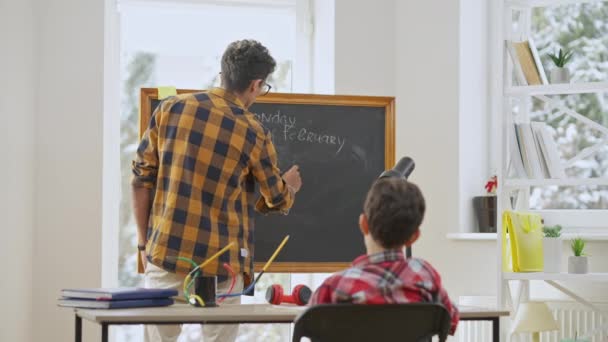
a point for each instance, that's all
(164, 92)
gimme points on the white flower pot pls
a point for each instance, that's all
(552, 255)
(578, 265)
(560, 75)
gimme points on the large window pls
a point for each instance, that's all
(180, 43)
(583, 29)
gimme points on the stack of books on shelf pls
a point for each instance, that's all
(534, 152)
(116, 298)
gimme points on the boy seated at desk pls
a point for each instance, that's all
(391, 219)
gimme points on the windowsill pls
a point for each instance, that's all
(492, 236)
(472, 236)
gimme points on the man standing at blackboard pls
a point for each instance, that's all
(194, 180)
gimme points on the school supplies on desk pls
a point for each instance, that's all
(525, 241)
(114, 304)
(118, 293)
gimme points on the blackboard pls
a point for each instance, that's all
(342, 144)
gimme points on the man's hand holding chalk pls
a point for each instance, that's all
(293, 179)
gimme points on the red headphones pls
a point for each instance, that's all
(300, 295)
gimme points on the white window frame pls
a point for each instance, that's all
(474, 106)
(111, 147)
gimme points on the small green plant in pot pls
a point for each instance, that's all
(560, 73)
(552, 248)
(578, 263)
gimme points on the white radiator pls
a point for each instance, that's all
(473, 331)
(571, 318)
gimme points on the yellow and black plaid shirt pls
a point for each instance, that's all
(202, 154)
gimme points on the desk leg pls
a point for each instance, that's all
(104, 332)
(496, 329)
(78, 329)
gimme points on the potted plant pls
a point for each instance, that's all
(578, 262)
(485, 208)
(560, 74)
(552, 248)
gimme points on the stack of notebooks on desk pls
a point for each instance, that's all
(116, 298)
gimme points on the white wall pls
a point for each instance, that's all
(67, 243)
(365, 49)
(17, 137)
(427, 76)
(399, 48)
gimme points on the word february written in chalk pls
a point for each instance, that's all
(291, 132)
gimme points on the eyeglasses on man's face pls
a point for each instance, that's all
(265, 89)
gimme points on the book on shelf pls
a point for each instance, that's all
(534, 152)
(530, 155)
(114, 304)
(516, 163)
(522, 152)
(537, 62)
(537, 127)
(517, 69)
(550, 152)
(526, 63)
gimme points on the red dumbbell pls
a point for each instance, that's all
(300, 295)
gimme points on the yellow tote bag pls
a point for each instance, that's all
(526, 240)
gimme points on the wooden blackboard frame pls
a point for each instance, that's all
(147, 95)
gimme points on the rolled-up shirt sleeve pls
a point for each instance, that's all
(276, 196)
(145, 164)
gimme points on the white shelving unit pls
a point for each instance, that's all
(524, 183)
(544, 3)
(503, 90)
(493, 236)
(556, 276)
(557, 89)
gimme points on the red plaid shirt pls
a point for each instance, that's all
(386, 278)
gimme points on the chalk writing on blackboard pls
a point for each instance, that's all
(291, 131)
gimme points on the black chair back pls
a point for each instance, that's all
(412, 322)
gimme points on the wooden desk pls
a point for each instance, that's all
(230, 314)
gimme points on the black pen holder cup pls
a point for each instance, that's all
(205, 287)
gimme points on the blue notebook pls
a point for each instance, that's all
(114, 304)
(118, 293)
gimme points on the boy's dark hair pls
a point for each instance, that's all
(394, 209)
(245, 61)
